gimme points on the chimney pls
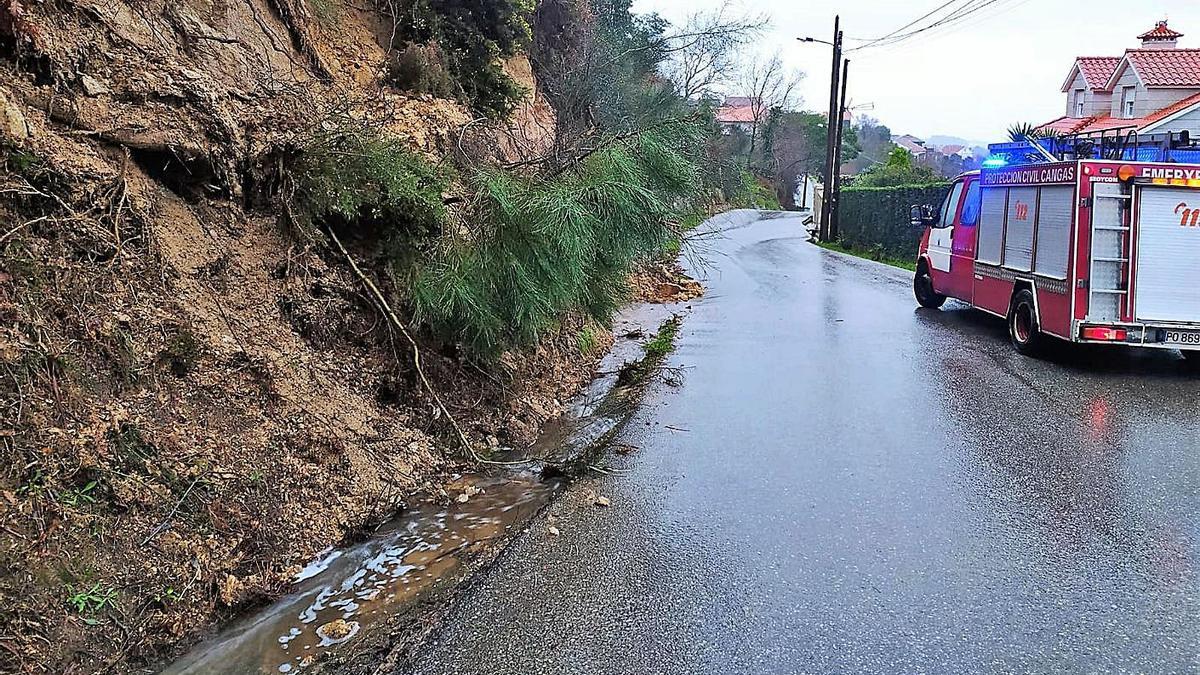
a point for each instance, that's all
(1160, 37)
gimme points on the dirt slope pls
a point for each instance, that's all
(193, 401)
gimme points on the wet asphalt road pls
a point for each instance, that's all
(844, 483)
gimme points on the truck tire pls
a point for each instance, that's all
(923, 289)
(1023, 329)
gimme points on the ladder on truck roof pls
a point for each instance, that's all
(1122, 144)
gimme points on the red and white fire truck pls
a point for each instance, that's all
(1085, 239)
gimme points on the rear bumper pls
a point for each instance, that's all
(1154, 335)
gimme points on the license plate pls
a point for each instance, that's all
(1183, 337)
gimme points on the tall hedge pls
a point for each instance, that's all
(872, 217)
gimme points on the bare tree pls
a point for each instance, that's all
(771, 86)
(604, 71)
(704, 51)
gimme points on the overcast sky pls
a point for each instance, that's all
(1006, 63)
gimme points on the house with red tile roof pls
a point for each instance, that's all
(955, 149)
(1154, 89)
(912, 144)
(738, 112)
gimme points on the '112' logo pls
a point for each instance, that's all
(1022, 211)
(1192, 215)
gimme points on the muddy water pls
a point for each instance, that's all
(344, 591)
(425, 549)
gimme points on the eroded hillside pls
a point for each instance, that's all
(197, 393)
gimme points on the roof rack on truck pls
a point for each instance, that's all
(1124, 143)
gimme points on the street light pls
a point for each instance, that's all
(809, 39)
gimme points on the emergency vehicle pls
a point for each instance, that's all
(1090, 239)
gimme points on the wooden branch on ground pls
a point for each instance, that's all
(416, 350)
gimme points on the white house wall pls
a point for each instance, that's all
(1094, 102)
(1189, 121)
(1072, 88)
(1141, 106)
(1157, 99)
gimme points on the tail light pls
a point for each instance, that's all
(1105, 334)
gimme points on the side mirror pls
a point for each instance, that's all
(923, 216)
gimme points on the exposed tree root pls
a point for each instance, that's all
(296, 28)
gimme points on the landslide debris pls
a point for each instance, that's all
(195, 399)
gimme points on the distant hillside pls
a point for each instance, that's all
(939, 141)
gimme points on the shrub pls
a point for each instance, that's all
(473, 35)
(897, 171)
(369, 185)
(422, 69)
(750, 193)
(556, 244)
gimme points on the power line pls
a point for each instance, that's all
(973, 19)
(960, 13)
(910, 24)
(955, 16)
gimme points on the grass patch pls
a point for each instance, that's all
(93, 599)
(588, 340)
(181, 352)
(326, 12)
(875, 254)
(655, 350)
(166, 596)
(133, 451)
(79, 496)
(663, 342)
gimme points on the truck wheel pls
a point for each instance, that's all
(1023, 328)
(923, 289)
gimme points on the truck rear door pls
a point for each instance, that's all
(1167, 286)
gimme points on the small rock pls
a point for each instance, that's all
(12, 120)
(603, 501)
(338, 630)
(463, 498)
(92, 86)
(230, 590)
(669, 290)
(554, 530)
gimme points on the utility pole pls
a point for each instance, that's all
(831, 132)
(834, 203)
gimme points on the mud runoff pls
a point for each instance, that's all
(346, 590)
(429, 547)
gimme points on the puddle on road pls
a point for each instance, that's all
(346, 590)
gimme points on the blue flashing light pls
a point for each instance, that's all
(995, 161)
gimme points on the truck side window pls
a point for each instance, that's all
(970, 210)
(950, 207)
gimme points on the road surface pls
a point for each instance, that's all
(845, 483)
